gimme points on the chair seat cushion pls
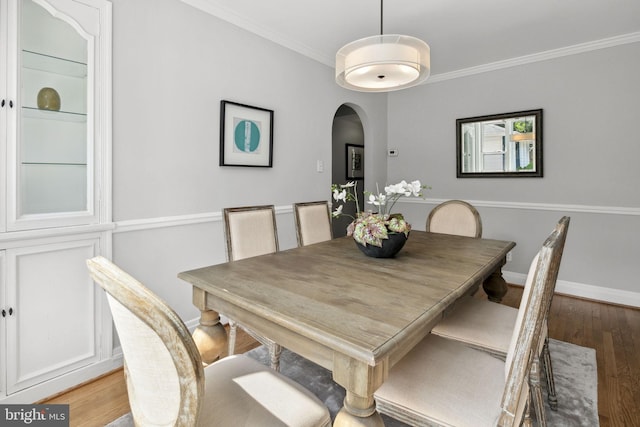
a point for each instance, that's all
(479, 323)
(444, 382)
(240, 391)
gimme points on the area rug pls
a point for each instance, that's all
(574, 368)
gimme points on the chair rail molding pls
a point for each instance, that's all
(608, 210)
(581, 290)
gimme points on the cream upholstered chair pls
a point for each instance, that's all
(251, 231)
(166, 381)
(455, 217)
(313, 222)
(445, 382)
(488, 326)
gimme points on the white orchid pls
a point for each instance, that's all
(373, 227)
(339, 195)
(378, 200)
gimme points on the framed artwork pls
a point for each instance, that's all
(246, 135)
(355, 161)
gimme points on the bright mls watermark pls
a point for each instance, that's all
(34, 415)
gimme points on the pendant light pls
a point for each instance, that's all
(383, 63)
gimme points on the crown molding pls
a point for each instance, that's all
(538, 57)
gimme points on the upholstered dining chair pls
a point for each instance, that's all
(167, 383)
(445, 382)
(488, 325)
(313, 222)
(455, 217)
(251, 231)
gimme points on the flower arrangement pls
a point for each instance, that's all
(369, 228)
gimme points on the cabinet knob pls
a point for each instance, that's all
(2, 103)
(10, 104)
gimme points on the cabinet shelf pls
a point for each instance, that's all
(67, 116)
(53, 64)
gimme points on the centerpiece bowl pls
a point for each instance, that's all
(390, 247)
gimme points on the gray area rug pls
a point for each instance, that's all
(574, 368)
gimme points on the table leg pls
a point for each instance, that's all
(210, 336)
(360, 381)
(358, 412)
(495, 286)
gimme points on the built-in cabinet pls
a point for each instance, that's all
(55, 133)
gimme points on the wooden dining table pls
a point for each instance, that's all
(354, 315)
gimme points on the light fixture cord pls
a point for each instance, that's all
(381, 14)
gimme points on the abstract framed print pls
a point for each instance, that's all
(246, 135)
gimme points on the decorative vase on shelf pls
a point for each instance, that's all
(390, 247)
(48, 99)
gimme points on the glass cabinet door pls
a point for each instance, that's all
(54, 147)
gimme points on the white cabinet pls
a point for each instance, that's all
(57, 111)
(55, 133)
(51, 322)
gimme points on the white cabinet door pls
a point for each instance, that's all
(53, 328)
(4, 309)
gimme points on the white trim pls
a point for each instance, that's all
(182, 220)
(214, 8)
(64, 382)
(608, 210)
(162, 222)
(581, 290)
(538, 57)
(178, 220)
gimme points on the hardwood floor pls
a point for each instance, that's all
(614, 332)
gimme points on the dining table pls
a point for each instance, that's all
(354, 315)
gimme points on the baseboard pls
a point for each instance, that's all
(581, 290)
(63, 382)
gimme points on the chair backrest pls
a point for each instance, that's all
(164, 373)
(534, 306)
(455, 217)
(250, 231)
(313, 222)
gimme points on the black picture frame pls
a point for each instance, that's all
(354, 155)
(507, 160)
(246, 135)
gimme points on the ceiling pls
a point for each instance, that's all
(462, 34)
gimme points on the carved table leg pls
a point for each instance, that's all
(358, 412)
(210, 336)
(495, 286)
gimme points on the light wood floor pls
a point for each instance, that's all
(613, 331)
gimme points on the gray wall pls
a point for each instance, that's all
(591, 155)
(172, 66)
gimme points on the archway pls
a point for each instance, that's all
(347, 160)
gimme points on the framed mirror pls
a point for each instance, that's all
(500, 145)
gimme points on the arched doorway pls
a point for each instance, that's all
(347, 160)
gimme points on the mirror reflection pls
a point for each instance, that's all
(507, 144)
